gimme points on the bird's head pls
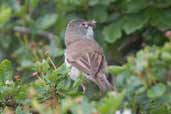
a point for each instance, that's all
(81, 28)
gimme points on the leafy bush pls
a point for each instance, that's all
(50, 93)
(143, 85)
(33, 78)
(146, 80)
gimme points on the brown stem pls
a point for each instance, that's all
(25, 30)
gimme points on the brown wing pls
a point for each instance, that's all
(90, 63)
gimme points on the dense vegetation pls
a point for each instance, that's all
(136, 40)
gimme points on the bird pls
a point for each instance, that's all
(84, 54)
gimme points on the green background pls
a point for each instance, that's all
(135, 37)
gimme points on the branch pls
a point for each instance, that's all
(24, 30)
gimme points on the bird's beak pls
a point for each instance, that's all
(92, 23)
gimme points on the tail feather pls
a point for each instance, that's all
(103, 83)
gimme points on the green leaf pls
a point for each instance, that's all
(42, 66)
(5, 70)
(114, 70)
(159, 18)
(79, 81)
(78, 105)
(111, 103)
(5, 41)
(83, 108)
(98, 13)
(45, 66)
(63, 69)
(156, 91)
(93, 2)
(166, 56)
(45, 22)
(20, 110)
(134, 22)
(133, 83)
(5, 14)
(106, 2)
(141, 62)
(33, 3)
(133, 6)
(161, 4)
(121, 79)
(113, 32)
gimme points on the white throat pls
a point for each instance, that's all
(90, 33)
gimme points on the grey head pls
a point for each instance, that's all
(79, 28)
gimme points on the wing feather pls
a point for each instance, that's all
(90, 63)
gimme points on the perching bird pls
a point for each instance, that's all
(84, 54)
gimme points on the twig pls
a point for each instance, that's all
(25, 30)
(52, 62)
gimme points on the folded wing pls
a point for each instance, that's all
(90, 63)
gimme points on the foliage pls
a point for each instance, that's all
(143, 85)
(146, 80)
(50, 93)
(34, 80)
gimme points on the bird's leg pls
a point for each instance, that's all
(66, 62)
(74, 74)
(83, 87)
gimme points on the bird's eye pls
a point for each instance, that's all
(84, 25)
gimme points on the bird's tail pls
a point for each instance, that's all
(102, 82)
